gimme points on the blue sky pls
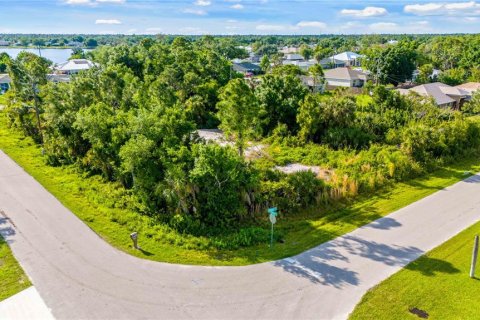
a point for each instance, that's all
(238, 16)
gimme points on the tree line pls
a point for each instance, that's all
(134, 118)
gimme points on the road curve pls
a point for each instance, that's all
(80, 276)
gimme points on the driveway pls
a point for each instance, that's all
(80, 276)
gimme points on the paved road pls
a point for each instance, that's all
(81, 277)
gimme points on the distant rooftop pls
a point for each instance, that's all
(345, 74)
(347, 56)
(75, 65)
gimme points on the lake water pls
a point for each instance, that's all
(54, 55)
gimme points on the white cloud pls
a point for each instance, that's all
(108, 21)
(366, 12)
(455, 8)
(78, 2)
(92, 3)
(312, 24)
(237, 6)
(197, 12)
(202, 3)
(111, 1)
(270, 27)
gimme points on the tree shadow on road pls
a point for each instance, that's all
(384, 224)
(328, 264)
(473, 179)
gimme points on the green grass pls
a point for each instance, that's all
(12, 278)
(437, 283)
(99, 205)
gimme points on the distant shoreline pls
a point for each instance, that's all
(41, 48)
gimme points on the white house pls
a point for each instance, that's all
(350, 59)
(74, 66)
(302, 64)
(345, 77)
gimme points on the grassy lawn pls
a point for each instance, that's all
(12, 278)
(99, 205)
(437, 283)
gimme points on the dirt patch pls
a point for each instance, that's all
(321, 173)
(217, 136)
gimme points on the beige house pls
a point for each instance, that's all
(470, 87)
(445, 96)
(345, 77)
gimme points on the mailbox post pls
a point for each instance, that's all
(474, 257)
(134, 237)
(272, 215)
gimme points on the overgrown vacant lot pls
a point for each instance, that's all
(100, 205)
(12, 277)
(437, 283)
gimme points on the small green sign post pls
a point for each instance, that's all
(272, 215)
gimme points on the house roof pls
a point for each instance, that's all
(345, 74)
(76, 65)
(245, 67)
(58, 77)
(293, 57)
(331, 60)
(440, 92)
(347, 56)
(470, 87)
(310, 81)
(5, 78)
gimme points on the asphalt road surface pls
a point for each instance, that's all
(80, 276)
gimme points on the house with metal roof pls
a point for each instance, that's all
(350, 59)
(345, 77)
(443, 95)
(332, 63)
(74, 66)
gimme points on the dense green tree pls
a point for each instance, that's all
(425, 74)
(238, 112)
(287, 69)
(4, 57)
(453, 77)
(265, 64)
(391, 64)
(77, 53)
(222, 181)
(279, 98)
(325, 118)
(91, 43)
(316, 71)
(28, 73)
(306, 52)
(322, 53)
